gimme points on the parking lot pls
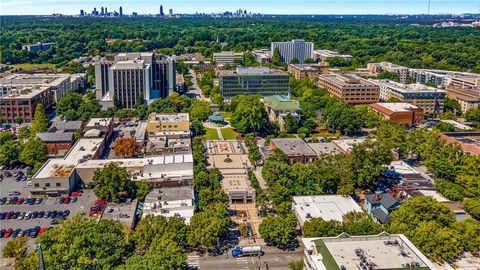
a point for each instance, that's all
(8, 184)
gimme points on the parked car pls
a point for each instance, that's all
(66, 213)
(42, 230)
(14, 193)
(29, 183)
(20, 200)
(3, 200)
(2, 215)
(73, 199)
(21, 216)
(67, 200)
(14, 200)
(25, 232)
(28, 215)
(47, 214)
(8, 233)
(2, 233)
(54, 221)
(15, 233)
(35, 214)
(38, 201)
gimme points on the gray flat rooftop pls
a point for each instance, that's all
(252, 72)
(293, 147)
(327, 148)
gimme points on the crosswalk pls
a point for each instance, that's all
(242, 263)
(193, 262)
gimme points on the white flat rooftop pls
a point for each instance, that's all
(347, 144)
(139, 162)
(96, 122)
(327, 207)
(398, 107)
(434, 194)
(402, 168)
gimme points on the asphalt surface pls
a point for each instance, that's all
(273, 258)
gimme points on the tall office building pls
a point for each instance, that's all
(170, 12)
(102, 11)
(106, 11)
(161, 11)
(82, 13)
(124, 79)
(296, 48)
(120, 10)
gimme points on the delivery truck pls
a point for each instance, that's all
(239, 251)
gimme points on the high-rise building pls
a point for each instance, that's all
(263, 81)
(170, 12)
(296, 48)
(126, 78)
(82, 13)
(120, 10)
(106, 11)
(102, 12)
(161, 11)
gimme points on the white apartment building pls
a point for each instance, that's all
(297, 48)
(227, 57)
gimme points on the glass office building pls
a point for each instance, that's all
(262, 81)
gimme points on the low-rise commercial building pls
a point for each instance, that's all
(170, 202)
(349, 88)
(278, 107)
(402, 72)
(345, 252)
(468, 99)
(469, 141)
(445, 78)
(311, 71)
(104, 125)
(124, 212)
(325, 148)
(430, 99)
(66, 126)
(399, 113)
(262, 81)
(58, 175)
(324, 55)
(346, 145)
(158, 123)
(296, 149)
(21, 101)
(326, 207)
(58, 143)
(227, 57)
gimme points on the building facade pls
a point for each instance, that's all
(297, 48)
(262, 56)
(40, 46)
(227, 57)
(399, 113)
(311, 71)
(430, 99)
(402, 72)
(20, 103)
(324, 55)
(278, 107)
(296, 149)
(126, 79)
(350, 88)
(263, 81)
(468, 99)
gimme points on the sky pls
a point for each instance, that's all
(46, 7)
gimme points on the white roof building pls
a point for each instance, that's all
(327, 207)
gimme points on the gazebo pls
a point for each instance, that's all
(216, 118)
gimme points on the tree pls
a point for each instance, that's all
(163, 254)
(126, 147)
(40, 120)
(452, 105)
(197, 128)
(15, 248)
(472, 206)
(296, 265)
(23, 134)
(142, 188)
(253, 153)
(249, 114)
(207, 227)
(6, 136)
(368, 163)
(113, 183)
(84, 243)
(200, 110)
(152, 227)
(34, 153)
(278, 230)
(291, 124)
(309, 61)
(294, 61)
(473, 116)
(317, 227)
(9, 151)
(387, 75)
(277, 57)
(445, 127)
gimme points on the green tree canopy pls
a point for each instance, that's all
(113, 183)
(40, 120)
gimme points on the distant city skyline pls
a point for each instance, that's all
(73, 7)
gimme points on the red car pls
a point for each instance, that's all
(20, 200)
(76, 194)
(66, 200)
(8, 233)
(42, 230)
(94, 213)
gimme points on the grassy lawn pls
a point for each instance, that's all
(229, 134)
(27, 66)
(211, 134)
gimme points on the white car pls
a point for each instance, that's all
(29, 183)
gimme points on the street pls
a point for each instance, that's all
(273, 258)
